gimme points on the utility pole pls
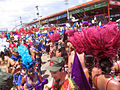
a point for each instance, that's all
(20, 20)
(108, 5)
(66, 3)
(38, 15)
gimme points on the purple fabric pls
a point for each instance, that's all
(89, 23)
(84, 21)
(41, 85)
(78, 75)
(21, 88)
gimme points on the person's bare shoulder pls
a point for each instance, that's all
(114, 85)
(70, 59)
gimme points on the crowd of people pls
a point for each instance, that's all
(97, 49)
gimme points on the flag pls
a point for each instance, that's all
(40, 86)
(74, 25)
(78, 74)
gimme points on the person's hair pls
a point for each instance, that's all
(119, 52)
(18, 43)
(89, 61)
(106, 64)
(36, 45)
(2, 55)
(64, 37)
(6, 52)
(30, 67)
(64, 54)
(72, 48)
(60, 69)
(24, 41)
(56, 44)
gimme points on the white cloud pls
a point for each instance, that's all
(11, 10)
(83, 1)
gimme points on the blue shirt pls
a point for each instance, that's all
(15, 58)
(37, 51)
(118, 25)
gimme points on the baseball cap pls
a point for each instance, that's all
(15, 49)
(56, 63)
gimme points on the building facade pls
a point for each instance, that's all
(99, 10)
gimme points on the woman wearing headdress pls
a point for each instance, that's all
(70, 48)
(36, 56)
(108, 81)
(53, 39)
(116, 64)
(32, 79)
(102, 43)
(82, 60)
(13, 59)
(61, 52)
(19, 72)
(104, 58)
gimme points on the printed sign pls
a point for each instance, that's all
(115, 2)
(102, 4)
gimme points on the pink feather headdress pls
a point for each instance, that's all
(54, 37)
(98, 41)
(71, 32)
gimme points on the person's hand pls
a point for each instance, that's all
(16, 63)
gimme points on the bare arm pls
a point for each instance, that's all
(40, 77)
(81, 59)
(70, 62)
(9, 62)
(35, 51)
(23, 81)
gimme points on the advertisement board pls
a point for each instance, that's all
(102, 4)
(61, 16)
(115, 2)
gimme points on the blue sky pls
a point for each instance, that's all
(11, 10)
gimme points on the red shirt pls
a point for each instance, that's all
(26, 45)
(30, 43)
(12, 45)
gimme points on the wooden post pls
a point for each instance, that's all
(108, 4)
